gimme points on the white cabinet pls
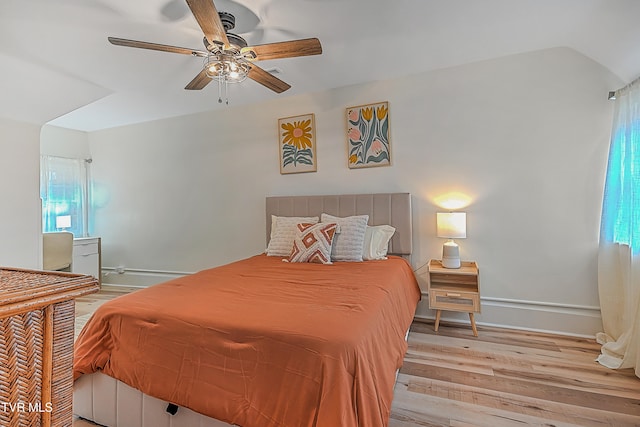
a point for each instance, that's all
(87, 256)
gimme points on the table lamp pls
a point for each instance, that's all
(63, 222)
(451, 225)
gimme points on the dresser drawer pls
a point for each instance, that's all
(87, 257)
(85, 249)
(442, 299)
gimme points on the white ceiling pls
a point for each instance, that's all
(57, 66)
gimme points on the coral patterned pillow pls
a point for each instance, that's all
(313, 243)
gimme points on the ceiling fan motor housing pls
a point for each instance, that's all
(236, 41)
(228, 20)
(229, 23)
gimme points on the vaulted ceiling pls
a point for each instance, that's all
(57, 66)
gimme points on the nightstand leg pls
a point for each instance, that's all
(473, 324)
(437, 320)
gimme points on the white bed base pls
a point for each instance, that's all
(104, 400)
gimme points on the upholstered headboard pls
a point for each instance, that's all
(383, 208)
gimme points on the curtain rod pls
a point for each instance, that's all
(87, 160)
(614, 93)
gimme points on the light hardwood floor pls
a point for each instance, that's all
(501, 378)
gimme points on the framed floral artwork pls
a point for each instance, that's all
(368, 135)
(297, 144)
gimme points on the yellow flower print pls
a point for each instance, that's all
(367, 113)
(297, 133)
(381, 112)
(353, 159)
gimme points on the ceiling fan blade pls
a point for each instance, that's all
(199, 81)
(155, 46)
(288, 49)
(267, 79)
(207, 16)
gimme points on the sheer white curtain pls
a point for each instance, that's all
(64, 186)
(619, 252)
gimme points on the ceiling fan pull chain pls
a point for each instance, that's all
(222, 80)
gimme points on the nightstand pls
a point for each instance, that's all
(454, 289)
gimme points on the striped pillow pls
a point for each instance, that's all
(349, 242)
(313, 243)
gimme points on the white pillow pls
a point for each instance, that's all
(376, 242)
(283, 231)
(349, 241)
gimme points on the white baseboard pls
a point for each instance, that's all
(564, 319)
(138, 277)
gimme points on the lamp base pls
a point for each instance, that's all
(451, 255)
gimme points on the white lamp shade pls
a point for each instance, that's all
(63, 221)
(451, 225)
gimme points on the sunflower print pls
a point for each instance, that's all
(297, 144)
(297, 133)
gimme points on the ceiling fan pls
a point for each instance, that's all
(228, 58)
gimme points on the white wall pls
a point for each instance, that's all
(525, 137)
(61, 142)
(20, 220)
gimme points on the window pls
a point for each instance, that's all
(621, 204)
(64, 189)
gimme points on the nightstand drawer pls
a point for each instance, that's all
(454, 279)
(442, 299)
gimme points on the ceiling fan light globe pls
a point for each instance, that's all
(225, 66)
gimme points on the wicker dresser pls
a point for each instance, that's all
(36, 345)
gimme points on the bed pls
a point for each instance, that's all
(259, 342)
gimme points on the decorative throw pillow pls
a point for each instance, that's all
(283, 231)
(376, 242)
(313, 243)
(348, 243)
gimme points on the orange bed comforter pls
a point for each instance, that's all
(261, 342)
